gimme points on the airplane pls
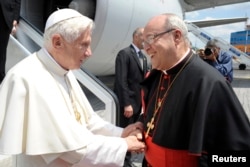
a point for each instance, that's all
(115, 21)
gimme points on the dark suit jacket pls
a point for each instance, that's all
(129, 74)
(11, 11)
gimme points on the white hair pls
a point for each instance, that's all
(70, 29)
(174, 21)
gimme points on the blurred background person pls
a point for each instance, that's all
(9, 17)
(130, 69)
(219, 59)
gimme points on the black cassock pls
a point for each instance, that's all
(200, 113)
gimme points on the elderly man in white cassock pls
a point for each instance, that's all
(45, 119)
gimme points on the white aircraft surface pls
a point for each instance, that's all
(115, 21)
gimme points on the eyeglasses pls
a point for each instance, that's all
(150, 39)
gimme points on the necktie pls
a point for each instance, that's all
(143, 62)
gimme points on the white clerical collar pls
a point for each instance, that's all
(51, 65)
(183, 57)
(54, 66)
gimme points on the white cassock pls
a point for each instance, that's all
(38, 125)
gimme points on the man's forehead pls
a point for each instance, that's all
(152, 30)
(155, 24)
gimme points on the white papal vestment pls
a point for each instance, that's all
(38, 125)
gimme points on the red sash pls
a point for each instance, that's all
(158, 156)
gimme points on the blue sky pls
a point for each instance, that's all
(223, 31)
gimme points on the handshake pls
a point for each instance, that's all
(133, 135)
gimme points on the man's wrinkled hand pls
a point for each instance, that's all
(135, 145)
(133, 130)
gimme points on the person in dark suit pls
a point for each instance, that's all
(130, 69)
(9, 16)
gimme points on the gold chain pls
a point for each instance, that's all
(75, 101)
(72, 96)
(74, 105)
(150, 124)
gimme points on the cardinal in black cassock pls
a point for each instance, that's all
(185, 122)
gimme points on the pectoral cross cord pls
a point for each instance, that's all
(159, 101)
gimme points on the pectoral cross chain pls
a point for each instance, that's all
(78, 116)
(150, 126)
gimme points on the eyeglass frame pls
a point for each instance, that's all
(153, 36)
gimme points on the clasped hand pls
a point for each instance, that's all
(133, 136)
